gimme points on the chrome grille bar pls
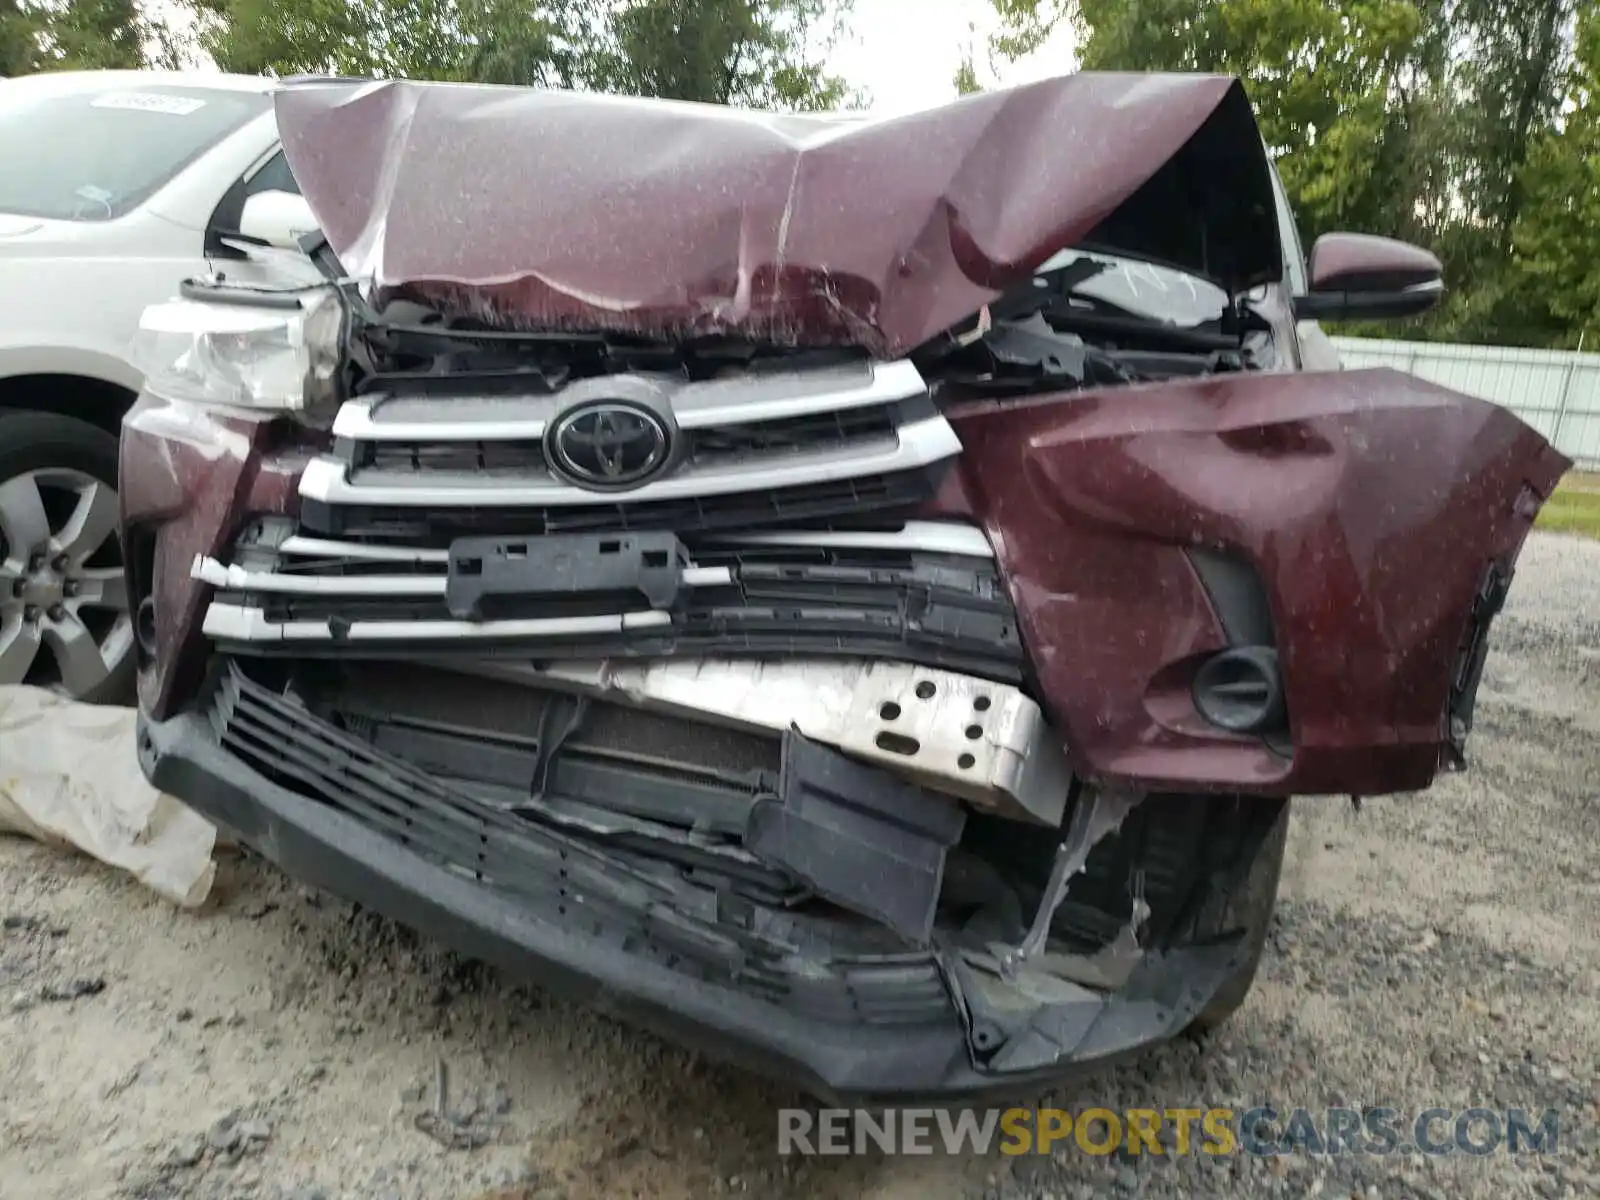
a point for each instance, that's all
(242, 623)
(919, 444)
(925, 537)
(744, 400)
(240, 579)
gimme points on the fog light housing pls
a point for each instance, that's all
(1241, 690)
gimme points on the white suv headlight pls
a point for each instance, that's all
(280, 353)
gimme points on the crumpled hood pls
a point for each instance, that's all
(556, 210)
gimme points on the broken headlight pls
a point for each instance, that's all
(275, 352)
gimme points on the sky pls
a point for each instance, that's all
(905, 52)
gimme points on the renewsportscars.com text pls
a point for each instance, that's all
(1264, 1131)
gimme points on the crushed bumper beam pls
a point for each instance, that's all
(987, 743)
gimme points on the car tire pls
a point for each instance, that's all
(1248, 907)
(1208, 866)
(61, 579)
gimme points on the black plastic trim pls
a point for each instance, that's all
(632, 568)
(1493, 589)
(861, 837)
(549, 937)
(940, 611)
(1238, 596)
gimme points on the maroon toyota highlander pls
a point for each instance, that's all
(854, 594)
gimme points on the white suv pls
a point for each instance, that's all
(117, 186)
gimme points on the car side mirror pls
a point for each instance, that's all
(276, 219)
(1356, 276)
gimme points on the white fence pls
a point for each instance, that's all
(1555, 391)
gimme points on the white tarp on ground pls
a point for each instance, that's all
(69, 777)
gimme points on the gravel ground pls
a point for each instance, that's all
(1442, 949)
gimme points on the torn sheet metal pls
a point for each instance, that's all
(593, 212)
(984, 742)
(69, 776)
(1097, 814)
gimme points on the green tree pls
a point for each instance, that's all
(757, 53)
(1513, 74)
(293, 37)
(966, 77)
(753, 52)
(1509, 69)
(543, 45)
(1340, 93)
(1025, 24)
(1556, 239)
(78, 35)
(1429, 120)
(19, 38)
(95, 35)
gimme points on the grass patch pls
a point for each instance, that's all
(1575, 508)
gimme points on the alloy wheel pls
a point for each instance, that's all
(64, 620)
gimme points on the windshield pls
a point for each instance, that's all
(94, 155)
(1163, 294)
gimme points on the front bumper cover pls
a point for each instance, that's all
(902, 1033)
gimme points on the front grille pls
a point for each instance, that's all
(708, 448)
(705, 927)
(816, 432)
(833, 444)
(422, 457)
(939, 610)
(837, 500)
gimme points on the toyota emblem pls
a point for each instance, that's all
(608, 445)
